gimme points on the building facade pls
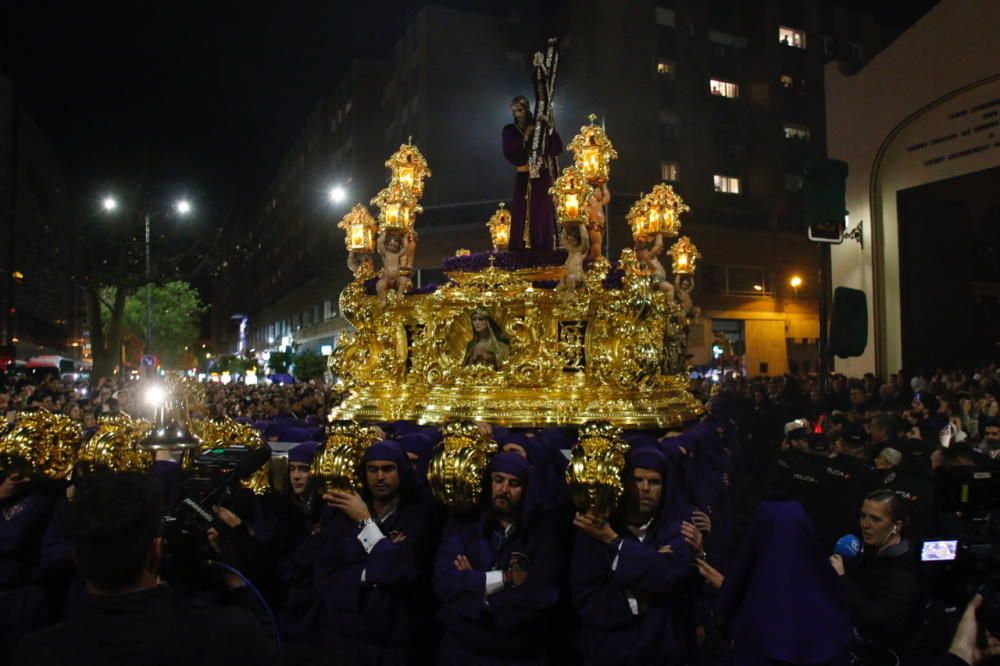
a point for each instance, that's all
(724, 100)
(918, 128)
(42, 313)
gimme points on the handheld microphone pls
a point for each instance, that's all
(848, 547)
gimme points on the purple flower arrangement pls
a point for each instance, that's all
(508, 261)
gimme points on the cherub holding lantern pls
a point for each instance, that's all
(596, 202)
(647, 251)
(575, 239)
(394, 246)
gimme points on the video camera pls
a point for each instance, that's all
(214, 481)
(961, 566)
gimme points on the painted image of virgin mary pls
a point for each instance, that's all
(489, 345)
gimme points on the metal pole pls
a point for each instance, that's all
(149, 297)
(607, 222)
(824, 289)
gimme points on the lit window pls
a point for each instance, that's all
(665, 69)
(726, 184)
(668, 171)
(791, 37)
(787, 81)
(723, 88)
(794, 182)
(797, 133)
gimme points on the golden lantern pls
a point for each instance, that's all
(360, 229)
(569, 192)
(593, 152)
(397, 208)
(409, 168)
(664, 208)
(685, 256)
(639, 220)
(499, 226)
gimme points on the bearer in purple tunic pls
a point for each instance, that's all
(781, 598)
(630, 574)
(375, 551)
(517, 148)
(496, 575)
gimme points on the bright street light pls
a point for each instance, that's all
(183, 207)
(337, 194)
(109, 204)
(796, 282)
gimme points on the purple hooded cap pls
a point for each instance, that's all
(509, 462)
(512, 437)
(419, 443)
(294, 435)
(400, 428)
(261, 425)
(314, 420)
(648, 457)
(245, 420)
(642, 441)
(303, 453)
(386, 450)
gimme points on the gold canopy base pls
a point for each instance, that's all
(540, 357)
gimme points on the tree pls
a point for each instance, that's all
(103, 253)
(279, 361)
(309, 365)
(173, 322)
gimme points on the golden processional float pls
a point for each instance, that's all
(511, 344)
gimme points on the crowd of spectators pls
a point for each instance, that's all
(784, 528)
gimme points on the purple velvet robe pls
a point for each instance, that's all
(782, 599)
(516, 148)
(377, 621)
(612, 634)
(510, 629)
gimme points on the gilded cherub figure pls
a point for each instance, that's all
(392, 246)
(576, 242)
(648, 251)
(596, 202)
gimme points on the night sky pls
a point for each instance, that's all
(203, 97)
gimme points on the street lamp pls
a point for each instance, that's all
(337, 194)
(795, 283)
(181, 207)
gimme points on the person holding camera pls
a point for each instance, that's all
(127, 614)
(883, 587)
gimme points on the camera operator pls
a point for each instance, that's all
(971, 644)
(883, 586)
(127, 615)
